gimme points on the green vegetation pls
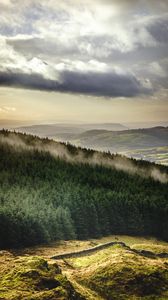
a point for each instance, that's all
(158, 155)
(33, 278)
(113, 273)
(45, 198)
(149, 144)
(117, 273)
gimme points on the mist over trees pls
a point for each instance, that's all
(44, 198)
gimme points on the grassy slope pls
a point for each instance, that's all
(113, 273)
(61, 247)
(116, 273)
(119, 274)
(33, 278)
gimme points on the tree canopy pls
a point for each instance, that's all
(44, 198)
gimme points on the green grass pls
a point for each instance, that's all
(116, 273)
(130, 240)
(157, 154)
(33, 278)
(157, 249)
(110, 274)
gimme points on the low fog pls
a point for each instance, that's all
(61, 150)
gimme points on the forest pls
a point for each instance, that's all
(44, 198)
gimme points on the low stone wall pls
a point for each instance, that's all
(145, 253)
(87, 251)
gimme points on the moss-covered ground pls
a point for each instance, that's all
(32, 278)
(115, 273)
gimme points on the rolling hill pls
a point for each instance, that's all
(127, 139)
(53, 191)
(148, 143)
(67, 131)
(135, 270)
(55, 199)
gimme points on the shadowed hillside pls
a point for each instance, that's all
(51, 191)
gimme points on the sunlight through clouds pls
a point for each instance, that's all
(105, 49)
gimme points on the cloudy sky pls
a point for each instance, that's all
(84, 60)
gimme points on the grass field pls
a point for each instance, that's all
(112, 273)
(154, 154)
(115, 273)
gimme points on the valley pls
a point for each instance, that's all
(147, 143)
(83, 150)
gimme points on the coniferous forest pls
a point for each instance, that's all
(45, 198)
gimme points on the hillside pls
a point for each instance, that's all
(136, 138)
(67, 131)
(119, 273)
(140, 265)
(51, 191)
(57, 199)
(33, 278)
(148, 143)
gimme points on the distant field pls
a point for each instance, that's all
(158, 154)
(148, 143)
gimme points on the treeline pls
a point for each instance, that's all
(43, 199)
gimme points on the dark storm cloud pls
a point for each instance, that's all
(159, 29)
(103, 84)
(96, 84)
(49, 38)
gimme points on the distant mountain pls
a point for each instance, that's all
(67, 131)
(110, 136)
(147, 143)
(51, 191)
(124, 140)
(107, 126)
(137, 125)
(53, 130)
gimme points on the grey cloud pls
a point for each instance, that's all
(36, 46)
(104, 47)
(103, 84)
(97, 46)
(96, 84)
(139, 55)
(159, 30)
(125, 49)
(155, 4)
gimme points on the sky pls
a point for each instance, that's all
(84, 60)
